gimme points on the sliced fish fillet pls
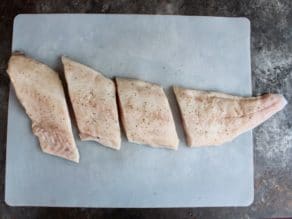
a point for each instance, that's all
(41, 93)
(93, 97)
(211, 118)
(146, 114)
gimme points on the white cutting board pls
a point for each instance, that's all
(198, 52)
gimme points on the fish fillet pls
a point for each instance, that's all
(146, 114)
(93, 98)
(211, 118)
(41, 93)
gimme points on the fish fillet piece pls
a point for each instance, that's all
(93, 97)
(41, 93)
(211, 118)
(146, 114)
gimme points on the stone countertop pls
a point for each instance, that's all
(271, 53)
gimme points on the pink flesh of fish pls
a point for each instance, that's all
(145, 114)
(40, 91)
(211, 118)
(93, 98)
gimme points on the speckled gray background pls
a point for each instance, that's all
(271, 45)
